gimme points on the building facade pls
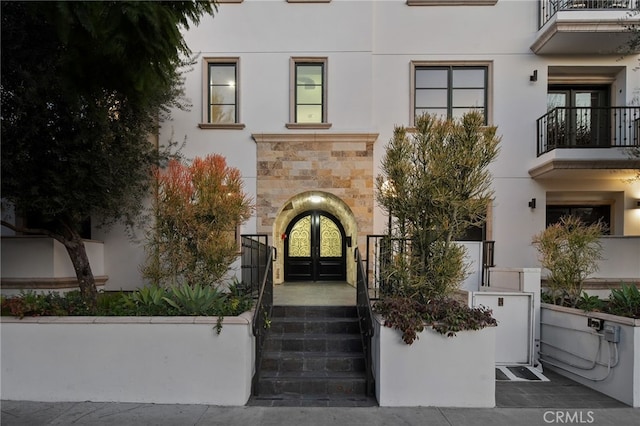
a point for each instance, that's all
(302, 96)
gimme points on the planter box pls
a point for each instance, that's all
(128, 359)
(570, 347)
(435, 370)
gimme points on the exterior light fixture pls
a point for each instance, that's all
(532, 203)
(315, 199)
(534, 76)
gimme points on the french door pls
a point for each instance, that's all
(580, 116)
(315, 248)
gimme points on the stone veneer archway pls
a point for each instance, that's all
(335, 167)
(314, 200)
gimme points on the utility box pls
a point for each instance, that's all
(515, 333)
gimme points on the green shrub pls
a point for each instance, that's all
(590, 303)
(194, 300)
(447, 316)
(570, 250)
(152, 301)
(30, 303)
(625, 301)
(149, 301)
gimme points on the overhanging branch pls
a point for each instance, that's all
(30, 231)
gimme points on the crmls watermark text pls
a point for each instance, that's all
(568, 417)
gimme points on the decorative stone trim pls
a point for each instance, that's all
(230, 126)
(308, 126)
(314, 137)
(292, 166)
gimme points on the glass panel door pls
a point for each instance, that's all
(315, 248)
(579, 116)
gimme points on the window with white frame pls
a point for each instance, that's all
(221, 109)
(308, 93)
(449, 91)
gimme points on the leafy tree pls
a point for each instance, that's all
(197, 210)
(82, 86)
(435, 184)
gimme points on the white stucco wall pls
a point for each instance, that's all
(369, 46)
(176, 360)
(565, 336)
(44, 257)
(434, 370)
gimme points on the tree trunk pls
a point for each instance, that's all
(78, 255)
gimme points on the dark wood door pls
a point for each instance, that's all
(315, 248)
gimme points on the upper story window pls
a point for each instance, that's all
(221, 109)
(308, 93)
(449, 91)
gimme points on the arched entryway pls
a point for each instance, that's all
(315, 248)
(302, 204)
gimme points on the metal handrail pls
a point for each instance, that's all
(262, 316)
(588, 127)
(548, 8)
(253, 258)
(365, 315)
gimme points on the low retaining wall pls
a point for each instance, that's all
(570, 347)
(178, 360)
(435, 370)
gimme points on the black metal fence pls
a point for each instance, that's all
(255, 251)
(488, 261)
(593, 127)
(365, 315)
(262, 315)
(548, 8)
(382, 251)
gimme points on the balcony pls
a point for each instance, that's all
(586, 27)
(593, 139)
(43, 264)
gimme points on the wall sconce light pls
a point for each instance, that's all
(349, 241)
(637, 204)
(532, 203)
(534, 76)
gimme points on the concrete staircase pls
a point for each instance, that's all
(313, 357)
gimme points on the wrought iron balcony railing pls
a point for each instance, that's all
(548, 8)
(593, 127)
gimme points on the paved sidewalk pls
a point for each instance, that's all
(558, 401)
(121, 414)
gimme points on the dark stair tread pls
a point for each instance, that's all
(314, 311)
(314, 336)
(279, 320)
(312, 400)
(311, 354)
(313, 357)
(310, 375)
